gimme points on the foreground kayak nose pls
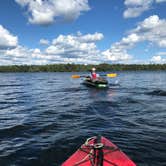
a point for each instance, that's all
(98, 151)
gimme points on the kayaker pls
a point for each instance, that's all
(94, 76)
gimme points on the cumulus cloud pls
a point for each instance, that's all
(116, 55)
(23, 55)
(77, 48)
(135, 8)
(118, 51)
(159, 58)
(82, 48)
(7, 40)
(152, 29)
(48, 11)
(19, 51)
(159, 1)
(44, 42)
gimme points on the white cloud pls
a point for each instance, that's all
(91, 37)
(16, 55)
(76, 48)
(136, 7)
(63, 49)
(7, 40)
(82, 48)
(156, 58)
(148, 23)
(152, 29)
(159, 58)
(44, 42)
(159, 1)
(118, 50)
(49, 11)
(115, 55)
(19, 51)
(22, 55)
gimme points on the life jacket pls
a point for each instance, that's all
(94, 75)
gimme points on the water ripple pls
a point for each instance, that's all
(45, 117)
(157, 92)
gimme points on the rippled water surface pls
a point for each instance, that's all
(45, 117)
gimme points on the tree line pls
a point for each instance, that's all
(80, 67)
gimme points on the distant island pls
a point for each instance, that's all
(80, 67)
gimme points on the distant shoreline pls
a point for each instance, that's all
(81, 67)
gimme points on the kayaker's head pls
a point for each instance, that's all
(93, 69)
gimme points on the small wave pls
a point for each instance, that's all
(106, 103)
(12, 85)
(14, 93)
(114, 84)
(157, 93)
(77, 89)
(11, 102)
(13, 130)
(130, 100)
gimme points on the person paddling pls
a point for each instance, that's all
(94, 76)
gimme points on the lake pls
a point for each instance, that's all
(45, 117)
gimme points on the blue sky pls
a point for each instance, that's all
(82, 31)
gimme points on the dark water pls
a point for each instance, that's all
(45, 117)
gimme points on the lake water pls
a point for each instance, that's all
(45, 117)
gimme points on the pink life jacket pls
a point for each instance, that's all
(94, 75)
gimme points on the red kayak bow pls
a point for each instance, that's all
(98, 151)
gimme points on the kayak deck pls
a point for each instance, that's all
(98, 151)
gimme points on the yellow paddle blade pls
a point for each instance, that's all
(75, 76)
(112, 75)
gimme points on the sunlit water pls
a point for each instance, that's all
(45, 117)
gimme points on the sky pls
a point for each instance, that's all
(39, 32)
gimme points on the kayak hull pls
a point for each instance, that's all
(99, 152)
(96, 83)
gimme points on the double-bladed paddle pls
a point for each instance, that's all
(108, 75)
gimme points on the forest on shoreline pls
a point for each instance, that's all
(81, 67)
